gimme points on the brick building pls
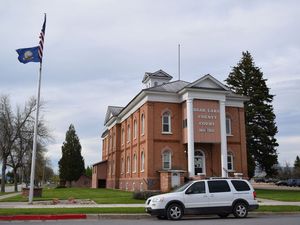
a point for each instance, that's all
(170, 132)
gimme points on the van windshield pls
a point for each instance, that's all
(182, 188)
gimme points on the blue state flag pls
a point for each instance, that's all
(27, 55)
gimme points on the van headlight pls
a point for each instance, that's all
(157, 199)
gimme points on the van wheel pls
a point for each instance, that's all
(174, 212)
(240, 210)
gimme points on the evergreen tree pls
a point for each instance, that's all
(247, 79)
(297, 162)
(89, 171)
(71, 164)
(296, 171)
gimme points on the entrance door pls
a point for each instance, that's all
(175, 181)
(199, 162)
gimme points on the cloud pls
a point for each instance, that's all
(96, 53)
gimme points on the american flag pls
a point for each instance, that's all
(42, 36)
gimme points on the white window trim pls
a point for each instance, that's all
(170, 160)
(143, 124)
(230, 126)
(142, 161)
(128, 133)
(128, 165)
(134, 129)
(134, 163)
(169, 123)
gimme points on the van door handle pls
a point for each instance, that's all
(211, 195)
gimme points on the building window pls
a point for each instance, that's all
(134, 129)
(122, 166)
(142, 161)
(184, 123)
(134, 163)
(166, 160)
(228, 126)
(123, 136)
(230, 161)
(166, 122)
(142, 124)
(199, 162)
(128, 133)
(128, 164)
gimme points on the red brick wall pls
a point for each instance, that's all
(153, 142)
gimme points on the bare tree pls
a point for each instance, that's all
(16, 136)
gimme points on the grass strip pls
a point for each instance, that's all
(51, 211)
(278, 208)
(279, 195)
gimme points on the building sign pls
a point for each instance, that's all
(208, 118)
(206, 121)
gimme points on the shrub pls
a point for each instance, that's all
(143, 195)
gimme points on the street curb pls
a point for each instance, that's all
(44, 217)
(112, 216)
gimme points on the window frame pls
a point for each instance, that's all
(128, 165)
(169, 159)
(142, 161)
(134, 163)
(143, 124)
(228, 126)
(166, 114)
(231, 161)
(134, 129)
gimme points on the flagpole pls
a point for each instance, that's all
(32, 175)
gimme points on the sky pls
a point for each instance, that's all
(97, 51)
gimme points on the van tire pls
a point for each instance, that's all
(174, 212)
(240, 210)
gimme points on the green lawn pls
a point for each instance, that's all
(280, 195)
(100, 196)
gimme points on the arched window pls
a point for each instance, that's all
(128, 164)
(199, 162)
(142, 161)
(166, 160)
(123, 136)
(134, 129)
(166, 122)
(228, 125)
(230, 161)
(142, 124)
(122, 166)
(134, 163)
(128, 133)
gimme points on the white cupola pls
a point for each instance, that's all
(157, 78)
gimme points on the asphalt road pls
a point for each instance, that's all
(291, 219)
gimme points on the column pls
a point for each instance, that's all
(224, 166)
(190, 137)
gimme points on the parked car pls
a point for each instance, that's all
(293, 182)
(210, 196)
(282, 183)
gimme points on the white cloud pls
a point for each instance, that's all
(96, 53)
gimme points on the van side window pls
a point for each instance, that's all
(240, 185)
(216, 186)
(196, 188)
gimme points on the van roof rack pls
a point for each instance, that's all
(215, 178)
